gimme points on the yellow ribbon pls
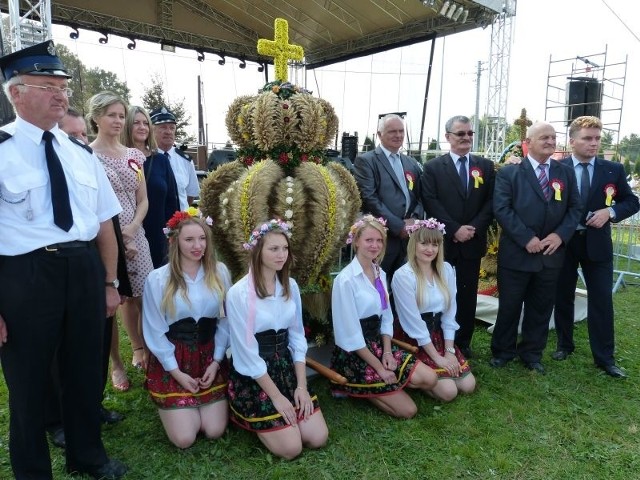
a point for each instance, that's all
(557, 189)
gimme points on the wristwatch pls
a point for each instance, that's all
(612, 214)
(115, 283)
(450, 350)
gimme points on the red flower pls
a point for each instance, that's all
(283, 158)
(285, 106)
(304, 157)
(176, 219)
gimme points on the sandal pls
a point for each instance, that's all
(120, 381)
(138, 365)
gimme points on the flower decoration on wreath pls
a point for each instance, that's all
(281, 171)
(179, 216)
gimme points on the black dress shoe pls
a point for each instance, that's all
(560, 355)
(496, 362)
(111, 470)
(466, 352)
(613, 371)
(110, 416)
(56, 435)
(536, 367)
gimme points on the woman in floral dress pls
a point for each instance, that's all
(268, 382)
(363, 326)
(124, 167)
(187, 333)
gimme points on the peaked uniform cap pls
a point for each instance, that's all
(162, 115)
(39, 59)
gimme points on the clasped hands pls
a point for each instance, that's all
(389, 365)
(194, 385)
(303, 406)
(548, 245)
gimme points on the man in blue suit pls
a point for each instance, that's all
(389, 184)
(537, 204)
(607, 198)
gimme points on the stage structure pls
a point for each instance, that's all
(585, 85)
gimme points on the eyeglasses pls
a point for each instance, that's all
(67, 92)
(462, 134)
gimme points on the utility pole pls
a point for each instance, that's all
(476, 121)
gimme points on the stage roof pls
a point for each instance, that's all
(329, 30)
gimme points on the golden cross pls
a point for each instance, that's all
(523, 122)
(280, 49)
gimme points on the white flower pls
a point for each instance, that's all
(289, 190)
(224, 212)
(288, 214)
(225, 200)
(289, 200)
(289, 179)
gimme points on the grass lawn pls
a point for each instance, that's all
(573, 423)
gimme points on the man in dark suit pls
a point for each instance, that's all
(457, 189)
(389, 184)
(538, 206)
(607, 198)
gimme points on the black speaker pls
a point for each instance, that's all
(349, 146)
(584, 97)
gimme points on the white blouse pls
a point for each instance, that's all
(248, 317)
(354, 297)
(202, 303)
(404, 287)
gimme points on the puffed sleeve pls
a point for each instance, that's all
(347, 332)
(244, 346)
(154, 322)
(449, 324)
(222, 332)
(297, 340)
(404, 287)
(386, 324)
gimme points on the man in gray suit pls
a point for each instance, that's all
(389, 184)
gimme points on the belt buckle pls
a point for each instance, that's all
(49, 248)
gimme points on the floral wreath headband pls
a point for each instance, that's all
(275, 224)
(366, 219)
(430, 223)
(178, 217)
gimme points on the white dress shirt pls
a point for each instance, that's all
(354, 297)
(404, 286)
(249, 315)
(186, 179)
(26, 212)
(202, 303)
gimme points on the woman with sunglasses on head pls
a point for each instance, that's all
(375, 369)
(187, 333)
(424, 289)
(268, 390)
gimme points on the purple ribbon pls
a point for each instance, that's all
(382, 292)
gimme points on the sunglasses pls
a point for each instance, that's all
(462, 134)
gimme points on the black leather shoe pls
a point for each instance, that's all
(614, 371)
(111, 470)
(110, 416)
(56, 436)
(536, 367)
(560, 355)
(496, 362)
(466, 352)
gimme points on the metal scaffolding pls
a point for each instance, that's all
(31, 26)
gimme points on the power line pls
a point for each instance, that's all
(621, 21)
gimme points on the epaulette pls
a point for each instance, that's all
(182, 154)
(4, 136)
(81, 144)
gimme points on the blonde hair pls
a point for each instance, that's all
(176, 283)
(256, 266)
(584, 122)
(127, 133)
(434, 236)
(369, 221)
(98, 104)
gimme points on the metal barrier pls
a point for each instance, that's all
(626, 251)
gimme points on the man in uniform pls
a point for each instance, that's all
(164, 130)
(56, 206)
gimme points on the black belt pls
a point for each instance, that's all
(187, 330)
(370, 327)
(433, 320)
(271, 342)
(54, 247)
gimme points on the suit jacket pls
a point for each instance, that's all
(444, 199)
(523, 212)
(625, 204)
(381, 192)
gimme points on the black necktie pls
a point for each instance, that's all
(462, 171)
(62, 215)
(584, 184)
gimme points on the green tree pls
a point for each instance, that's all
(627, 166)
(636, 167)
(154, 97)
(368, 144)
(86, 82)
(606, 141)
(630, 146)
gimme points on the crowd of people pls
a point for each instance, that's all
(88, 227)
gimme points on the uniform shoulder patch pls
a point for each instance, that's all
(4, 136)
(183, 154)
(80, 144)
